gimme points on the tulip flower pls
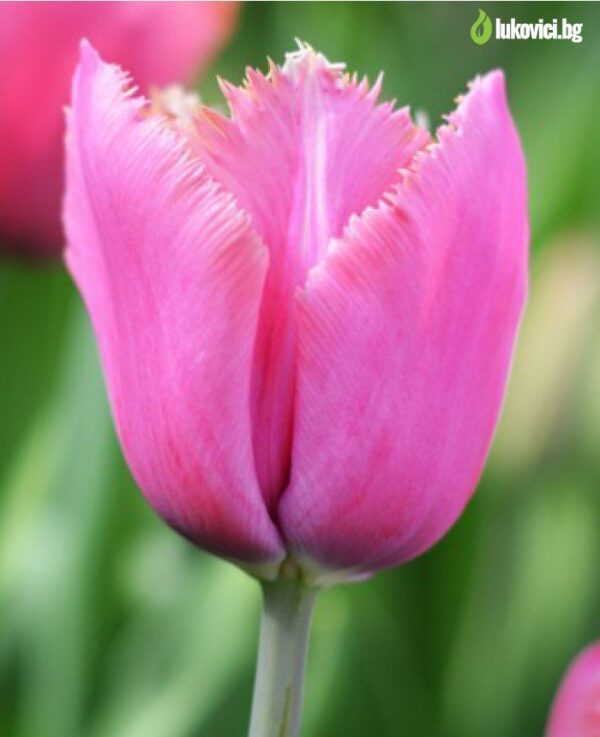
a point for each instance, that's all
(576, 710)
(306, 314)
(159, 42)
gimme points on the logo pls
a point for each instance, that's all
(481, 30)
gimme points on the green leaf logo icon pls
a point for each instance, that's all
(481, 30)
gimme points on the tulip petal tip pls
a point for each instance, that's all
(576, 708)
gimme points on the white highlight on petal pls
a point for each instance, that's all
(295, 60)
(177, 104)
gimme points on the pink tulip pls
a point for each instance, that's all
(306, 313)
(159, 42)
(576, 710)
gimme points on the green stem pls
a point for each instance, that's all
(284, 628)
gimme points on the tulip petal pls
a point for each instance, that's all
(172, 274)
(305, 149)
(406, 333)
(576, 709)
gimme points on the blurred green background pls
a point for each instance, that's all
(111, 626)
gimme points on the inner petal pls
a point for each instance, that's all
(305, 148)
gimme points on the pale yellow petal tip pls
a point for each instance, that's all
(305, 57)
(176, 104)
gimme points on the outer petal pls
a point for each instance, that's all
(172, 275)
(405, 337)
(576, 710)
(157, 42)
(306, 148)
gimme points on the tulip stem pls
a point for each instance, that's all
(284, 628)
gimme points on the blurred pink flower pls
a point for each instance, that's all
(159, 42)
(306, 312)
(576, 709)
